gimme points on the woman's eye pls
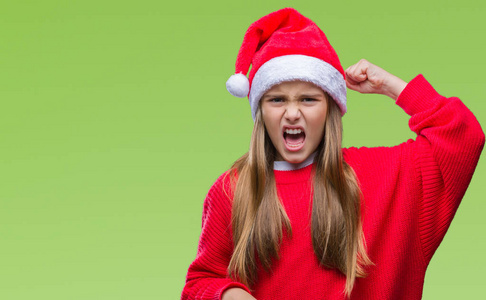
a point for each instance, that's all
(308, 100)
(276, 100)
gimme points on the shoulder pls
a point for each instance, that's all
(221, 191)
(363, 155)
(224, 181)
(375, 164)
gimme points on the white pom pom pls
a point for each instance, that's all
(238, 85)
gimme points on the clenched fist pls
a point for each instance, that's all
(365, 77)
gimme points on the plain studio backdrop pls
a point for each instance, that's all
(115, 121)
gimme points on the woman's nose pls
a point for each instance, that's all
(292, 112)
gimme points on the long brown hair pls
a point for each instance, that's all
(258, 216)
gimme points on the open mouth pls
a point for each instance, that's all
(294, 138)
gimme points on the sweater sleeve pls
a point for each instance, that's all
(445, 154)
(207, 276)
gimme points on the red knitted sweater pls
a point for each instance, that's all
(410, 195)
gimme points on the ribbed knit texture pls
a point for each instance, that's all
(410, 195)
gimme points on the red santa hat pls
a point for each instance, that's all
(285, 46)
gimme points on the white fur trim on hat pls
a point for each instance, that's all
(298, 67)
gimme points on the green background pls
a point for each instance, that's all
(115, 121)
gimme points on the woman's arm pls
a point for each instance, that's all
(207, 276)
(443, 156)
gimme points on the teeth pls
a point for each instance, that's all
(293, 131)
(294, 145)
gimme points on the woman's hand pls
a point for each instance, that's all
(365, 77)
(236, 294)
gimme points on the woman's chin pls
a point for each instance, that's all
(295, 157)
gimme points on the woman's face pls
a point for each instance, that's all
(294, 114)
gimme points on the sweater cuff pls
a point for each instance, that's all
(232, 285)
(417, 96)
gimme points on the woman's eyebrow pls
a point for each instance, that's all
(273, 95)
(317, 95)
(312, 95)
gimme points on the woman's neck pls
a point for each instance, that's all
(286, 166)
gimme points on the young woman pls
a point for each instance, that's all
(300, 217)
